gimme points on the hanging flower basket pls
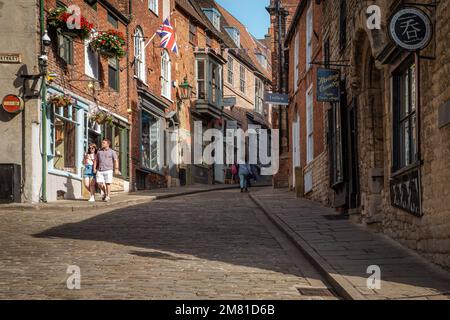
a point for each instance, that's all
(60, 100)
(101, 117)
(109, 44)
(58, 20)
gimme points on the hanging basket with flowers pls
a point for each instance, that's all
(58, 19)
(109, 44)
(60, 100)
(101, 117)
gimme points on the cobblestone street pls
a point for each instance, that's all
(215, 245)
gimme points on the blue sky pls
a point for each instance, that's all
(252, 13)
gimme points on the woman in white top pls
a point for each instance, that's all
(89, 176)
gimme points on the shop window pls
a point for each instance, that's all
(335, 144)
(119, 137)
(150, 140)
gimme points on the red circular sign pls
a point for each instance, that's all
(12, 104)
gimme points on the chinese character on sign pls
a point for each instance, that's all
(410, 29)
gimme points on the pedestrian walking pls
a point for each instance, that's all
(244, 172)
(89, 175)
(106, 164)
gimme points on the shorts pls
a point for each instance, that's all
(105, 177)
(89, 171)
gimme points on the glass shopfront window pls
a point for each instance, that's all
(119, 137)
(150, 141)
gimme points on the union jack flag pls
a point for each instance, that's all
(167, 35)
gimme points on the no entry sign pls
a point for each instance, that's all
(12, 104)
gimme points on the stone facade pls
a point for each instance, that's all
(368, 81)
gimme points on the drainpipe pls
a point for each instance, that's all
(43, 112)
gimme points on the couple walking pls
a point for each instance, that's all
(99, 168)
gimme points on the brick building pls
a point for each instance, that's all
(97, 84)
(388, 137)
(307, 156)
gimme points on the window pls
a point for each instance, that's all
(309, 34)
(208, 41)
(309, 126)
(91, 61)
(64, 140)
(405, 118)
(235, 35)
(92, 4)
(153, 6)
(326, 53)
(213, 16)
(166, 9)
(335, 144)
(230, 65)
(262, 59)
(242, 78)
(113, 20)
(192, 33)
(201, 78)
(343, 25)
(165, 74)
(119, 137)
(209, 80)
(151, 135)
(259, 93)
(65, 48)
(113, 73)
(139, 55)
(296, 60)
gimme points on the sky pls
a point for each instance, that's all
(252, 13)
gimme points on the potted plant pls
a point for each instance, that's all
(58, 19)
(109, 44)
(60, 100)
(101, 117)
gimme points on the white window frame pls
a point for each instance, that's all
(230, 68)
(153, 6)
(242, 79)
(139, 55)
(296, 60)
(166, 9)
(309, 34)
(166, 75)
(91, 60)
(309, 125)
(259, 95)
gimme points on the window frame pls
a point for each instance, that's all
(153, 6)
(116, 69)
(242, 79)
(139, 55)
(230, 70)
(309, 125)
(166, 75)
(296, 60)
(259, 95)
(400, 159)
(65, 42)
(309, 35)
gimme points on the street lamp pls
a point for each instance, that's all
(185, 89)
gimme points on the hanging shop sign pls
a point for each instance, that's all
(10, 58)
(12, 104)
(276, 98)
(328, 85)
(411, 29)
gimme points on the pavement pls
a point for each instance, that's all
(119, 199)
(210, 245)
(342, 251)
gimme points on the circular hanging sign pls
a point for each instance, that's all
(12, 104)
(411, 29)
